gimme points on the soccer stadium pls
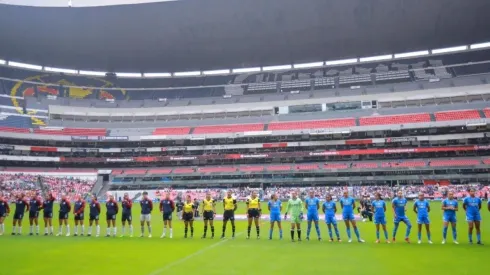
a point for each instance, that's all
(244, 137)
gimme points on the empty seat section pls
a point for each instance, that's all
(72, 132)
(160, 171)
(312, 124)
(457, 115)
(251, 168)
(487, 112)
(216, 169)
(135, 171)
(117, 171)
(486, 161)
(228, 128)
(398, 119)
(403, 164)
(279, 168)
(335, 166)
(172, 131)
(14, 130)
(307, 167)
(183, 170)
(455, 162)
(365, 165)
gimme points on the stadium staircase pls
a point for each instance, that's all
(100, 187)
(41, 186)
(482, 114)
(432, 117)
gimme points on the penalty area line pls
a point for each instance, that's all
(186, 258)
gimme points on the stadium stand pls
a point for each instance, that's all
(457, 115)
(398, 119)
(228, 128)
(314, 124)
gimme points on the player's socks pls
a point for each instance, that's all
(185, 232)
(223, 231)
(317, 227)
(233, 230)
(270, 233)
(248, 230)
(52, 230)
(192, 231)
(149, 229)
(478, 237)
(348, 233)
(123, 230)
(377, 234)
(407, 233)
(212, 231)
(395, 229)
(292, 234)
(428, 236)
(308, 230)
(299, 234)
(83, 229)
(30, 229)
(19, 230)
(337, 232)
(258, 230)
(419, 235)
(142, 230)
(330, 233)
(37, 229)
(205, 231)
(280, 233)
(114, 231)
(108, 231)
(68, 230)
(455, 234)
(131, 230)
(386, 234)
(97, 230)
(444, 232)
(171, 233)
(356, 231)
(470, 237)
(76, 230)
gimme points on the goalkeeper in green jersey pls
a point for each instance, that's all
(295, 209)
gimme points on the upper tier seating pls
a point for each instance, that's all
(396, 119)
(251, 168)
(312, 124)
(160, 171)
(72, 132)
(457, 115)
(455, 162)
(228, 128)
(335, 166)
(487, 112)
(172, 131)
(404, 164)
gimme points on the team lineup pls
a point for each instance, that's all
(295, 209)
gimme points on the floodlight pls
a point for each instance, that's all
(25, 65)
(92, 73)
(276, 68)
(193, 73)
(450, 49)
(128, 75)
(215, 72)
(376, 58)
(246, 70)
(480, 45)
(341, 62)
(411, 54)
(308, 65)
(157, 75)
(60, 70)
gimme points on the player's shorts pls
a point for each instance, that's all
(474, 217)
(208, 215)
(94, 217)
(18, 216)
(312, 217)
(110, 217)
(3, 214)
(330, 220)
(423, 220)
(450, 219)
(348, 216)
(48, 214)
(63, 216)
(126, 218)
(145, 217)
(188, 217)
(79, 217)
(275, 217)
(253, 213)
(167, 216)
(296, 219)
(380, 220)
(33, 215)
(228, 215)
(402, 219)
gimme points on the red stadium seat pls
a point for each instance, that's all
(457, 115)
(14, 130)
(312, 124)
(72, 132)
(486, 161)
(135, 171)
(117, 171)
(215, 129)
(160, 171)
(251, 168)
(395, 119)
(279, 168)
(455, 162)
(487, 112)
(404, 164)
(172, 131)
(307, 167)
(365, 165)
(216, 169)
(183, 171)
(335, 166)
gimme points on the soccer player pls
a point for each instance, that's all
(48, 214)
(208, 214)
(380, 216)
(329, 208)
(94, 216)
(35, 206)
(348, 204)
(78, 212)
(21, 206)
(450, 206)
(399, 209)
(295, 209)
(167, 207)
(312, 205)
(472, 206)
(253, 213)
(275, 209)
(188, 215)
(65, 208)
(422, 208)
(4, 212)
(146, 208)
(111, 213)
(127, 216)
(230, 206)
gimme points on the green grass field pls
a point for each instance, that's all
(82, 255)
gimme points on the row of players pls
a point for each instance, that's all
(295, 208)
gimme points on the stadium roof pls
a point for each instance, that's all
(216, 34)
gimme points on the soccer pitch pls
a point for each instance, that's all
(83, 255)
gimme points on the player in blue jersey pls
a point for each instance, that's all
(275, 209)
(422, 208)
(380, 216)
(472, 206)
(348, 205)
(329, 208)
(399, 208)
(449, 206)
(312, 205)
